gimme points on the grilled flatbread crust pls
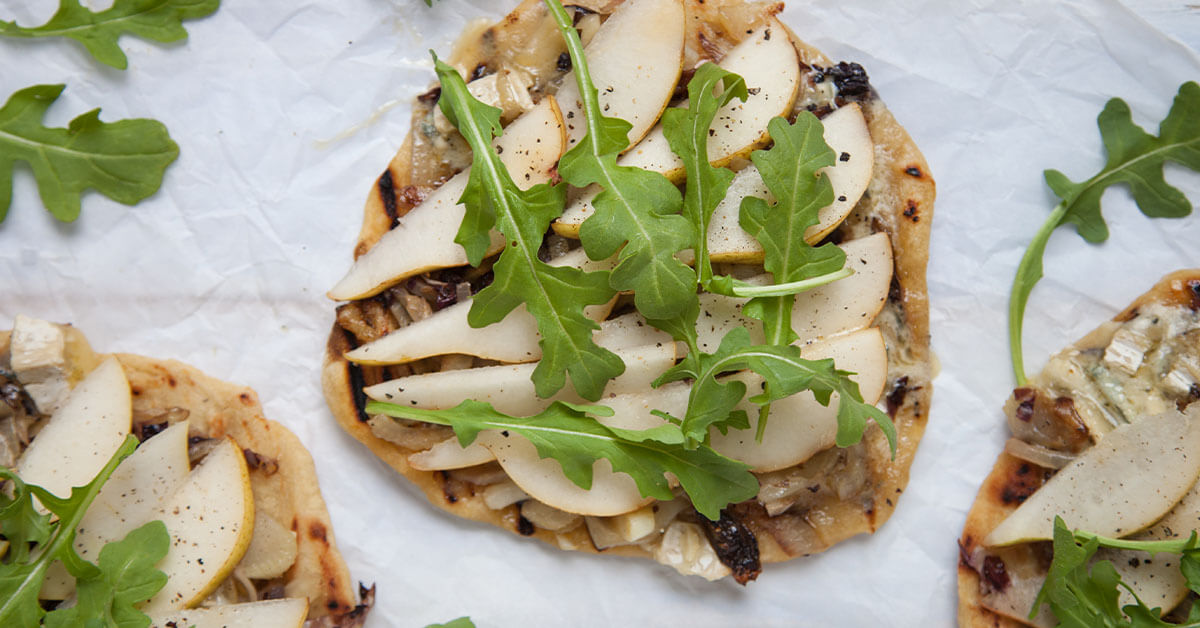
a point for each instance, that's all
(899, 201)
(289, 493)
(1012, 480)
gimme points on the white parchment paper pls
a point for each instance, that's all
(285, 112)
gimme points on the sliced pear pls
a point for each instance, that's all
(448, 454)
(156, 469)
(767, 61)
(798, 426)
(611, 493)
(284, 613)
(85, 432)
(841, 307)
(634, 60)
(424, 238)
(1121, 485)
(514, 339)
(509, 388)
(272, 550)
(1157, 579)
(127, 500)
(846, 133)
(211, 522)
(628, 331)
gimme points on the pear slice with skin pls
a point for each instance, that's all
(798, 427)
(1123, 484)
(83, 434)
(423, 239)
(841, 307)
(510, 390)
(845, 130)
(1157, 579)
(767, 61)
(634, 60)
(283, 613)
(127, 500)
(211, 521)
(514, 339)
(611, 493)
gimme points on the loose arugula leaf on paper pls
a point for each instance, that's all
(1136, 159)
(555, 296)
(569, 434)
(124, 160)
(156, 20)
(108, 591)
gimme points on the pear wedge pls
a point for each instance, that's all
(1120, 486)
(514, 339)
(1157, 579)
(798, 426)
(283, 613)
(844, 306)
(845, 130)
(611, 493)
(127, 500)
(423, 239)
(767, 61)
(211, 522)
(634, 59)
(83, 434)
(509, 388)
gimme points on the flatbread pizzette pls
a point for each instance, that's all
(808, 500)
(1128, 385)
(289, 551)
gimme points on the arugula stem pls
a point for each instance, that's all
(793, 287)
(1029, 271)
(1176, 546)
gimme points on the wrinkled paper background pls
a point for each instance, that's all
(285, 112)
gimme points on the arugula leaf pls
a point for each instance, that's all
(461, 622)
(124, 160)
(556, 296)
(156, 20)
(568, 434)
(687, 132)
(126, 577)
(637, 210)
(791, 170)
(122, 578)
(1136, 159)
(1083, 597)
(712, 402)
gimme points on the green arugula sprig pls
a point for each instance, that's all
(555, 296)
(461, 622)
(637, 212)
(1136, 159)
(687, 132)
(792, 171)
(569, 434)
(156, 20)
(107, 592)
(1083, 594)
(712, 402)
(124, 160)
